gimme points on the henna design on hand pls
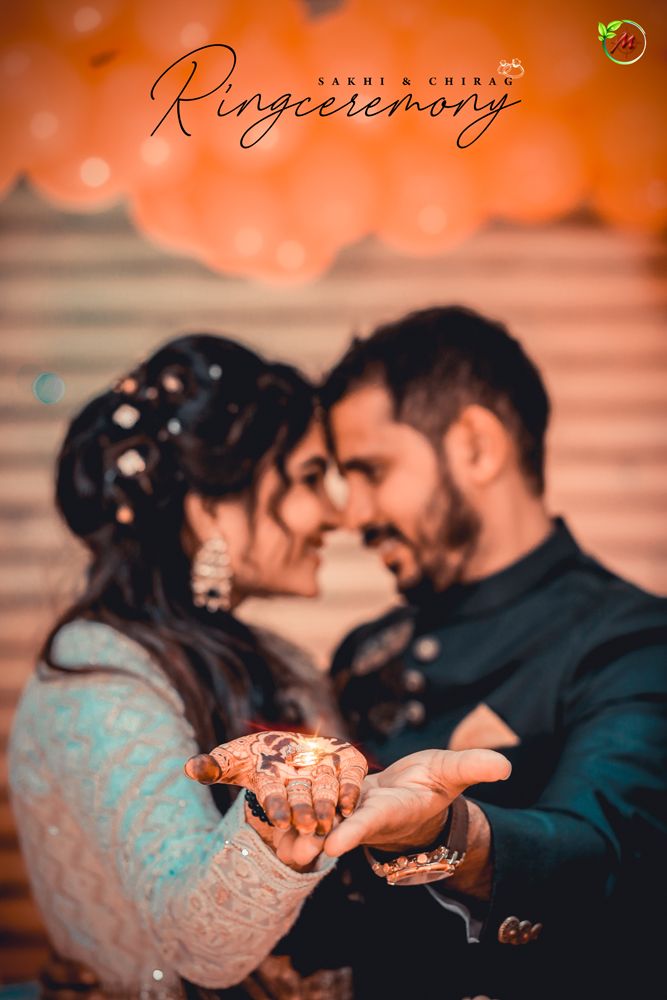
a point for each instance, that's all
(298, 780)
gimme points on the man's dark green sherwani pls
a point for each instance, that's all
(574, 661)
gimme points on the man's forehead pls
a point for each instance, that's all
(368, 408)
(362, 419)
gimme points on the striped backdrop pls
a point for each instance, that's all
(84, 296)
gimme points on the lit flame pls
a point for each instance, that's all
(310, 752)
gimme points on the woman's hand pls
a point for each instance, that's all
(299, 780)
(296, 850)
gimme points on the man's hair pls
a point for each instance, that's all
(436, 361)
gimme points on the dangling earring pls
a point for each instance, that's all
(211, 575)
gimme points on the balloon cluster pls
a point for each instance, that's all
(78, 118)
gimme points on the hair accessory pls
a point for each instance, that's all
(174, 426)
(125, 416)
(131, 462)
(125, 514)
(127, 385)
(215, 372)
(171, 382)
(211, 575)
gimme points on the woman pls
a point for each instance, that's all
(195, 483)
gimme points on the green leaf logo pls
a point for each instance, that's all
(609, 31)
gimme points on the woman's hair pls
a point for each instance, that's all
(202, 414)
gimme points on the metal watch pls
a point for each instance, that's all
(432, 865)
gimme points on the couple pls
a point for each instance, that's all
(199, 481)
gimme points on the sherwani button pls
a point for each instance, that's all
(508, 932)
(414, 680)
(535, 932)
(426, 648)
(415, 712)
(525, 927)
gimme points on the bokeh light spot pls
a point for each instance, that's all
(291, 255)
(193, 35)
(95, 171)
(15, 62)
(43, 125)
(155, 151)
(48, 388)
(248, 241)
(87, 19)
(270, 140)
(432, 219)
(656, 193)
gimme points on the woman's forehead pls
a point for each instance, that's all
(311, 448)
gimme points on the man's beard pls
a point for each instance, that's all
(458, 530)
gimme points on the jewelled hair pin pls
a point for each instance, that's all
(125, 514)
(131, 463)
(127, 385)
(171, 383)
(125, 416)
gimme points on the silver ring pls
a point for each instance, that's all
(295, 782)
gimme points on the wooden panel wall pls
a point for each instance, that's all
(85, 296)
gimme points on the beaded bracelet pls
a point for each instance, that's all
(255, 808)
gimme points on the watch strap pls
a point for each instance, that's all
(457, 837)
(431, 864)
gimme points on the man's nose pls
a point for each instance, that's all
(359, 508)
(331, 516)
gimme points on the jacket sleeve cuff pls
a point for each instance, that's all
(542, 860)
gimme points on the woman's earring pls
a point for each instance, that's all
(211, 575)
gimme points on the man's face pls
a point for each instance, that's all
(402, 496)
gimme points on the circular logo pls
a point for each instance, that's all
(626, 44)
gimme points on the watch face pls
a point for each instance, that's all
(430, 873)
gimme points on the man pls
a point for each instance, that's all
(511, 638)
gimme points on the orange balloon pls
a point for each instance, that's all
(81, 180)
(168, 219)
(536, 170)
(74, 21)
(331, 193)
(428, 200)
(238, 218)
(125, 118)
(42, 102)
(632, 166)
(270, 80)
(245, 227)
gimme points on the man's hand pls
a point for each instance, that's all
(405, 806)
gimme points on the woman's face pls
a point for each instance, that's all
(274, 547)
